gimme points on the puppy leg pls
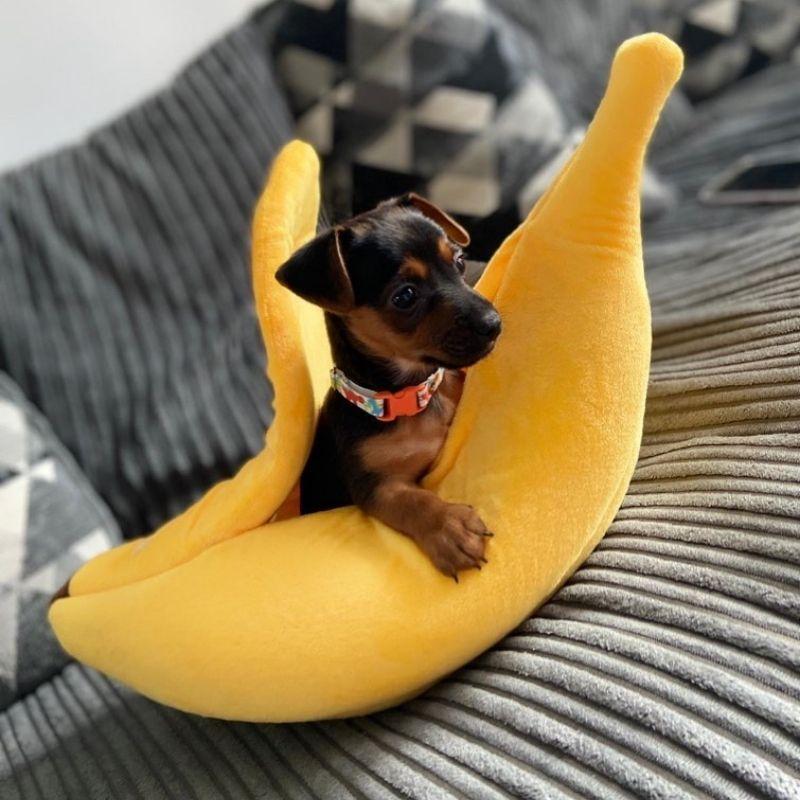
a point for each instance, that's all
(453, 536)
(321, 484)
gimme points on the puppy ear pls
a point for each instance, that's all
(441, 218)
(317, 272)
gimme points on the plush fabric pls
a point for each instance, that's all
(51, 521)
(333, 611)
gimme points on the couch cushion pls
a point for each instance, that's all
(51, 521)
(726, 40)
(466, 103)
(126, 305)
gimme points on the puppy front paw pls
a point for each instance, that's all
(457, 541)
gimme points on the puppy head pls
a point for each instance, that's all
(395, 276)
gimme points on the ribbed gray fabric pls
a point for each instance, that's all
(667, 667)
(126, 303)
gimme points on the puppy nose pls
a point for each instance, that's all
(488, 324)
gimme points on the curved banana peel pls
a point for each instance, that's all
(333, 614)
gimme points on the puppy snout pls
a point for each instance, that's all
(488, 324)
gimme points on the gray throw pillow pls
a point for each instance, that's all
(51, 521)
(126, 306)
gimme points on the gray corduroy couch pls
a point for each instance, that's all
(667, 667)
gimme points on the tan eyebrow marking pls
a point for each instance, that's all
(446, 249)
(414, 268)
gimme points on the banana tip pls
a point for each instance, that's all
(297, 148)
(652, 51)
(61, 593)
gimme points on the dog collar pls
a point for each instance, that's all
(387, 406)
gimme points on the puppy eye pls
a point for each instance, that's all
(405, 297)
(459, 262)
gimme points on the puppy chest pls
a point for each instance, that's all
(408, 449)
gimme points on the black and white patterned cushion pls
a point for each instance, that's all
(431, 96)
(455, 100)
(726, 40)
(51, 521)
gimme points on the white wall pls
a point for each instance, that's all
(67, 66)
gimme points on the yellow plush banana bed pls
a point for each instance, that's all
(333, 614)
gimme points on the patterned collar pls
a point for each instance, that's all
(387, 406)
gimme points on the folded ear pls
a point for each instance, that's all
(441, 218)
(317, 272)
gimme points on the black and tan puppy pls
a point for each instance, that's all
(402, 324)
